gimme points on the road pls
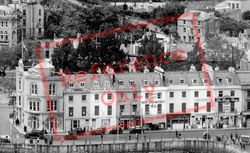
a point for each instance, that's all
(5, 129)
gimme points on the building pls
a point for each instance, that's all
(32, 23)
(8, 27)
(232, 5)
(89, 103)
(33, 105)
(208, 25)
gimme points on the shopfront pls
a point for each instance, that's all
(228, 115)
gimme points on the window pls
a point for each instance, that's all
(19, 84)
(205, 81)
(159, 108)
(183, 107)
(157, 82)
(199, 23)
(47, 54)
(171, 94)
(71, 111)
(52, 89)
(232, 93)
(6, 23)
(120, 82)
(146, 95)
(75, 124)
(84, 97)
(184, 94)
(39, 12)
(220, 93)
(96, 110)
(122, 107)
(145, 82)
(208, 93)
(34, 106)
(147, 109)
(39, 30)
(96, 96)
(248, 105)
(96, 84)
(171, 81)
(194, 81)
(159, 95)
(107, 84)
(134, 108)
(71, 84)
(131, 82)
(233, 6)
(182, 81)
(184, 29)
(30, 105)
(232, 106)
(20, 101)
(110, 96)
(84, 111)
(229, 80)
(184, 21)
(220, 106)
(237, 5)
(248, 93)
(208, 106)
(53, 104)
(171, 108)
(39, 21)
(196, 94)
(196, 107)
(109, 110)
(24, 12)
(219, 81)
(34, 88)
(82, 84)
(71, 98)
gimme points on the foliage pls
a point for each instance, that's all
(232, 26)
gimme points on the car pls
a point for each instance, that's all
(4, 139)
(245, 139)
(70, 136)
(35, 135)
(135, 130)
(114, 131)
(98, 131)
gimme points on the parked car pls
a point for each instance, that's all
(114, 131)
(4, 139)
(245, 139)
(70, 136)
(98, 131)
(35, 134)
(135, 130)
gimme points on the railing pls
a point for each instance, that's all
(165, 146)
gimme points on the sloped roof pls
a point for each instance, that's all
(45, 65)
(5, 10)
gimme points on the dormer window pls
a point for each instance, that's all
(171, 81)
(229, 80)
(96, 84)
(205, 81)
(120, 82)
(219, 80)
(145, 82)
(82, 84)
(157, 82)
(131, 82)
(107, 84)
(182, 81)
(71, 85)
(194, 81)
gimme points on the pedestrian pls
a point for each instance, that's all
(25, 128)
(231, 136)
(176, 134)
(129, 137)
(179, 135)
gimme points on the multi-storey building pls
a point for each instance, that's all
(33, 102)
(208, 25)
(32, 22)
(89, 103)
(8, 27)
